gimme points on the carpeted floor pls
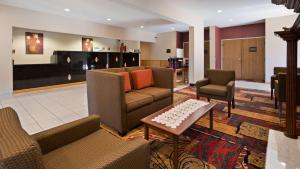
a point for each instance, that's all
(238, 142)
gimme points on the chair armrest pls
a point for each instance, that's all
(273, 78)
(201, 83)
(106, 98)
(135, 155)
(163, 77)
(57, 137)
(230, 89)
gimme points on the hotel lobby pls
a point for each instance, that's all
(161, 84)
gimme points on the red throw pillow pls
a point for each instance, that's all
(127, 85)
(142, 78)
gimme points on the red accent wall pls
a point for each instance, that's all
(185, 37)
(245, 31)
(179, 40)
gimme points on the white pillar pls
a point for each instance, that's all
(196, 53)
(212, 47)
(6, 78)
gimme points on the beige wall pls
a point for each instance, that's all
(59, 41)
(146, 50)
(157, 50)
(276, 50)
(16, 17)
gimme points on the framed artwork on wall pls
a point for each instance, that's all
(87, 44)
(34, 43)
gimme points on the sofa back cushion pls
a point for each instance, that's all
(127, 83)
(220, 77)
(142, 78)
(18, 149)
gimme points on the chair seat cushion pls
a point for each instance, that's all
(135, 100)
(156, 92)
(217, 90)
(92, 151)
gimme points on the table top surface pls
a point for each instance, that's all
(187, 123)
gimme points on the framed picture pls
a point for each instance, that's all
(87, 44)
(34, 43)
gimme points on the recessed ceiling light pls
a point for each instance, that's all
(108, 19)
(141, 26)
(220, 11)
(67, 10)
(230, 20)
(172, 28)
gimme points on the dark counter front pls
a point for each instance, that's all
(69, 67)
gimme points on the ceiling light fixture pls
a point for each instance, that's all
(141, 26)
(220, 11)
(108, 19)
(67, 10)
(172, 28)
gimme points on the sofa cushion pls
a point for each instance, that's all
(127, 85)
(156, 92)
(135, 100)
(17, 148)
(217, 90)
(142, 78)
(94, 151)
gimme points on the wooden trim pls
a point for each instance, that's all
(47, 87)
(244, 38)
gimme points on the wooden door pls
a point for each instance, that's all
(232, 55)
(206, 58)
(186, 49)
(253, 59)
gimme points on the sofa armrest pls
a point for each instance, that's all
(163, 77)
(273, 78)
(230, 89)
(136, 155)
(57, 137)
(106, 97)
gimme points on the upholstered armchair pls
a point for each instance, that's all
(220, 85)
(274, 77)
(81, 144)
(280, 91)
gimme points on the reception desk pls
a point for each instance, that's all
(69, 67)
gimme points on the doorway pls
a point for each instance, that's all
(246, 57)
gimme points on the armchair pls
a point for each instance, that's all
(81, 144)
(280, 91)
(220, 85)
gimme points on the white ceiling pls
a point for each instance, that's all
(124, 15)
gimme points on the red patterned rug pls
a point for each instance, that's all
(238, 142)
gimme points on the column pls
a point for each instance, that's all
(196, 53)
(212, 47)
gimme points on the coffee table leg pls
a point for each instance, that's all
(146, 132)
(175, 157)
(211, 120)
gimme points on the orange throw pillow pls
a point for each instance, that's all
(142, 78)
(127, 85)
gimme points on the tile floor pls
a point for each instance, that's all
(46, 109)
(42, 110)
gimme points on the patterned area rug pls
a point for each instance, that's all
(236, 143)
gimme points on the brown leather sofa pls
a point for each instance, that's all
(274, 77)
(220, 85)
(123, 111)
(81, 144)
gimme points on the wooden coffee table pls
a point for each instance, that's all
(175, 133)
